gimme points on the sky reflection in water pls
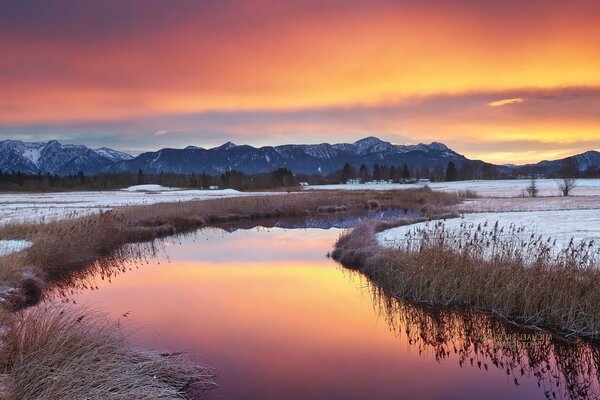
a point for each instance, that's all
(281, 321)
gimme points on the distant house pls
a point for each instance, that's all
(304, 184)
(213, 187)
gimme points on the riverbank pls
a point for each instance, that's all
(481, 267)
(61, 248)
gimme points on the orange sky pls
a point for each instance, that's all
(271, 72)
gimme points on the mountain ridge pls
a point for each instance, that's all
(322, 158)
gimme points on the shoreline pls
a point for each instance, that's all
(557, 298)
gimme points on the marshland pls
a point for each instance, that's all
(162, 291)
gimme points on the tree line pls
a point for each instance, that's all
(21, 182)
(280, 178)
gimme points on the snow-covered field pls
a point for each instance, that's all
(499, 188)
(504, 204)
(561, 225)
(29, 207)
(10, 246)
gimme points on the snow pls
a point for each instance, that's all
(11, 246)
(33, 155)
(149, 188)
(504, 204)
(37, 207)
(113, 155)
(488, 188)
(561, 225)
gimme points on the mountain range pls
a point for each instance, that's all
(65, 159)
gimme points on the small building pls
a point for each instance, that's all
(213, 187)
(304, 184)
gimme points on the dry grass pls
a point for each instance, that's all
(490, 271)
(63, 354)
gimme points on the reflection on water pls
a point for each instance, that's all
(563, 369)
(343, 220)
(281, 321)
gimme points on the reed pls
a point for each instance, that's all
(521, 279)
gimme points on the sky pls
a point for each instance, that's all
(506, 81)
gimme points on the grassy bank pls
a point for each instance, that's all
(50, 354)
(60, 353)
(523, 281)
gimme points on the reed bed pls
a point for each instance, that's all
(66, 353)
(523, 280)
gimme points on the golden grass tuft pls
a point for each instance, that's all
(61, 353)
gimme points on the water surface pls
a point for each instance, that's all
(279, 320)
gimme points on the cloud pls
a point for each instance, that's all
(551, 121)
(499, 103)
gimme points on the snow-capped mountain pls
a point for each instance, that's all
(303, 158)
(56, 158)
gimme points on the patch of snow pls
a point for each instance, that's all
(33, 155)
(148, 188)
(12, 246)
(113, 155)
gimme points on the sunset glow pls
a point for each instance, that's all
(502, 81)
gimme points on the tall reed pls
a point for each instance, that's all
(496, 272)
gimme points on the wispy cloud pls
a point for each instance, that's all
(504, 102)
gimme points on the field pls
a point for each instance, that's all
(36, 207)
(484, 188)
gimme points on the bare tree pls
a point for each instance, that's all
(566, 185)
(532, 189)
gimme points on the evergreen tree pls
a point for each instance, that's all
(363, 173)
(451, 174)
(405, 171)
(376, 172)
(347, 173)
(140, 177)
